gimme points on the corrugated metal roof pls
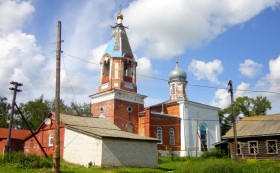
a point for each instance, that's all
(262, 125)
(16, 133)
(98, 127)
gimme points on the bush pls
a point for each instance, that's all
(27, 161)
(214, 153)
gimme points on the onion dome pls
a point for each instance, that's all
(177, 74)
(120, 16)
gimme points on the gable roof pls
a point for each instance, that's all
(98, 127)
(16, 133)
(262, 125)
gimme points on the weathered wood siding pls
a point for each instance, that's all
(262, 148)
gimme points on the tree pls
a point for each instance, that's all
(261, 104)
(245, 106)
(35, 112)
(4, 111)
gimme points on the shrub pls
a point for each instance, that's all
(214, 153)
(27, 161)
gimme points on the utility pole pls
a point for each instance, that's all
(15, 89)
(196, 136)
(233, 119)
(56, 157)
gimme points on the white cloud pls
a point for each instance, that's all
(164, 28)
(144, 68)
(241, 90)
(95, 57)
(14, 15)
(250, 68)
(274, 72)
(221, 99)
(20, 57)
(206, 70)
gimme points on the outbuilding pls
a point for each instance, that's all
(95, 141)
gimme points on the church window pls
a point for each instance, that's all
(106, 71)
(129, 128)
(171, 136)
(271, 146)
(173, 89)
(51, 140)
(253, 147)
(129, 109)
(127, 71)
(203, 137)
(159, 134)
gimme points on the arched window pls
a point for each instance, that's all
(203, 137)
(106, 71)
(171, 136)
(51, 140)
(159, 134)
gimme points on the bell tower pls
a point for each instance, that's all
(117, 98)
(177, 83)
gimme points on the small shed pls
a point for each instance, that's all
(17, 137)
(95, 141)
(257, 136)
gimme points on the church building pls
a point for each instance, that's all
(183, 127)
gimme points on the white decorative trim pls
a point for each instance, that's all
(116, 84)
(128, 85)
(103, 86)
(118, 94)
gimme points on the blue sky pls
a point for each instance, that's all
(215, 41)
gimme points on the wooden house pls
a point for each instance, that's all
(258, 137)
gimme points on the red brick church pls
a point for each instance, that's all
(181, 125)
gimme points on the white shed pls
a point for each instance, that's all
(98, 142)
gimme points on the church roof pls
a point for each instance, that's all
(118, 45)
(177, 74)
(262, 125)
(98, 127)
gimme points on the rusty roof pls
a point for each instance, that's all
(16, 133)
(98, 127)
(262, 125)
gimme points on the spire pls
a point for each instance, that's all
(120, 16)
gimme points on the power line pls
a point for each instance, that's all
(190, 84)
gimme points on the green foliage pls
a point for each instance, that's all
(246, 106)
(186, 165)
(4, 111)
(21, 161)
(214, 153)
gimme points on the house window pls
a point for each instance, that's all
(159, 134)
(171, 136)
(271, 146)
(51, 140)
(31, 144)
(203, 137)
(239, 148)
(253, 147)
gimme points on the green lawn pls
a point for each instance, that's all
(166, 164)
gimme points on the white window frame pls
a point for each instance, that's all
(249, 147)
(51, 139)
(267, 146)
(171, 136)
(239, 148)
(206, 137)
(159, 134)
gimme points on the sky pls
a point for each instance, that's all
(215, 41)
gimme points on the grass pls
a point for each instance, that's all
(165, 164)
